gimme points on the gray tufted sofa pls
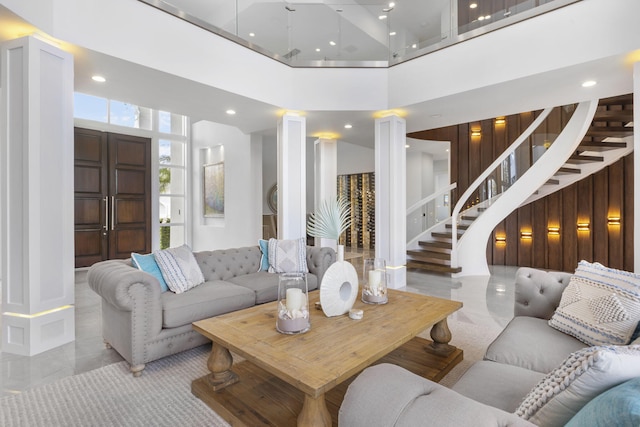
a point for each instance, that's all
(492, 389)
(144, 324)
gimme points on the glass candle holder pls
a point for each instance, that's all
(293, 304)
(374, 281)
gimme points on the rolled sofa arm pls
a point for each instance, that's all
(113, 279)
(319, 260)
(538, 292)
(387, 395)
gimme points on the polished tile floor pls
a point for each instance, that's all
(488, 302)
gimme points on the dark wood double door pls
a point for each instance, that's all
(112, 196)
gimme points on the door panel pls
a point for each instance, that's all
(91, 189)
(130, 195)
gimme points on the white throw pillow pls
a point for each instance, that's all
(287, 256)
(599, 306)
(581, 377)
(179, 268)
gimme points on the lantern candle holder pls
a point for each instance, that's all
(374, 286)
(293, 304)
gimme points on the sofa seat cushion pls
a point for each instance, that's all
(207, 300)
(498, 385)
(265, 285)
(531, 343)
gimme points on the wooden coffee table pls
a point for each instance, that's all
(289, 380)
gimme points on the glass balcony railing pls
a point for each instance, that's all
(428, 212)
(339, 33)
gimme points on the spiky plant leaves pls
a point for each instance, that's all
(331, 219)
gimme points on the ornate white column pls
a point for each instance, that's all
(391, 196)
(36, 152)
(326, 173)
(292, 203)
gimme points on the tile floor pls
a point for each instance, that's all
(488, 302)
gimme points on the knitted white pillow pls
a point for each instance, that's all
(582, 376)
(179, 268)
(599, 306)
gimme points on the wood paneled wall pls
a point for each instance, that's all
(607, 193)
(593, 199)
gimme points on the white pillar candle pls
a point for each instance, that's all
(340, 253)
(375, 277)
(294, 299)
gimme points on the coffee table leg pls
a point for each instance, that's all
(314, 413)
(441, 335)
(219, 363)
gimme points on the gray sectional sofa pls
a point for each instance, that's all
(492, 390)
(144, 324)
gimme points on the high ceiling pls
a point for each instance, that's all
(148, 87)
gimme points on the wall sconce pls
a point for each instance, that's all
(553, 230)
(501, 240)
(583, 226)
(613, 220)
(476, 132)
(526, 235)
(500, 121)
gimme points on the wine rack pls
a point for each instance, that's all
(359, 189)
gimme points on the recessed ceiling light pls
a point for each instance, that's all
(231, 112)
(392, 4)
(317, 49)
(252, 34)
(332, 43)
(381, 17)
(473, 5)
(487, 17)
(480, 18)
(414, 46)
(348, 126)
(589, 83)
(406, 146)
(98, 79)
(392, 33)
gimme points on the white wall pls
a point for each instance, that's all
(354, 159)
(242, 222)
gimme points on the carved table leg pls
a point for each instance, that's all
(441, 335)
(314, 413)
(219, 363)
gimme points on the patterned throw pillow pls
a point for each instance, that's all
(179, 268)
(600, 306)
(287, 256)
(584, 375)
(264, 259)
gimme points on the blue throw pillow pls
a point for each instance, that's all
(619, 406)
(264, 260)
(148, 264)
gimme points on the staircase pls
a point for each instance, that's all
(602, 145)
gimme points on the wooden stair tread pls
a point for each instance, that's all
(433, 267)
(426, 255)
(618, 131)
(582, 158)
(601, 146)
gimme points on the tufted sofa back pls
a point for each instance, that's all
(224, 264)
(538, 292)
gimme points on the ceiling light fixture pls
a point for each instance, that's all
(381, 17)
(252, 34)
(414, 46)
(348, 126)
(98, 79)
(332, 43)
(487, 17)
(407, 146)
(317, 49)
(392, 4)
(392, 33)
(473, 5)
(231, 112)
(589, 83)
(480, 18)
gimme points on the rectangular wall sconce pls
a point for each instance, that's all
(526, 234)
(500, 121)
(613, 220)
(553, 230)
(501, 240)
(583, 226)
(476, 132)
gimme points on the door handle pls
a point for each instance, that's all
(106, 213)
(113, 203)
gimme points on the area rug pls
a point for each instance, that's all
(111, 396)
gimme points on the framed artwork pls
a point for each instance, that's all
(213, 185)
